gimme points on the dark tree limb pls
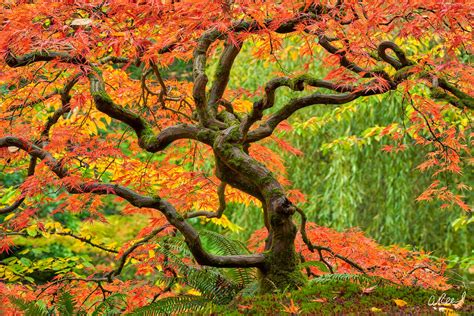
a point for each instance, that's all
(27, 59)
(14, 205)
(325, 42)
(268, 126)
(312, 247)
(199, 74)
(114, 60)
(399, 63)
(221, 76)
(128, 252)
(164, 89)
(190, 234)
(146, 138)
(295, 84)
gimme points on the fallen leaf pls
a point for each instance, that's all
(400, 303)
(375, 310)
(245, 306)
(320, 300)
(446, 311)
(368, 290)
(292, 308)
(81, 22)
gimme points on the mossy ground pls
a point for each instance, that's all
(345, 298)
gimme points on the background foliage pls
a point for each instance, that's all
(347, 177)
(339, 164)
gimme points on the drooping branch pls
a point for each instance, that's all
(313, 247)
(63, 93)
(34, 102)
(85, 240)
(174, 218)
(325, 42)
(126, 253)
(10, 208)
(146, 138)
(53, 119)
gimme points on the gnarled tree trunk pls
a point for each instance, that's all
(236, 167)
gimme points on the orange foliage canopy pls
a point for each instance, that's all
(87, 110)
(392, 263)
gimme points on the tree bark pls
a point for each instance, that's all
(235, 167)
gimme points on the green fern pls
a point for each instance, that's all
(217, 286)
(209, 281)
(343, 277)
(172, 305)
(65, 304)
(29, 308)
(109, 305)
(223, 245)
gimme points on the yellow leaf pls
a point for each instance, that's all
(100, 124)
(9, 216)
(225, 222)
(91, 128)
(151, 253)
(194, 292)
(375, 310)
(446, 311)
(400, 303)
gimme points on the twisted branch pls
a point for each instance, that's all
(190, 234)
(312, 247)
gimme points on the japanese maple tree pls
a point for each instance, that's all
(85, 104)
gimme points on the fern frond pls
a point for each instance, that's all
(109, 304)
(343, 277)
(65, 304)
(29, 308)
(223, 245)
(209, 281)
(172, 305)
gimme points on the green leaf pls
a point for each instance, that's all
(26, 261)
(32, 231)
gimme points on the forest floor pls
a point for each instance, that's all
(347, 298)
